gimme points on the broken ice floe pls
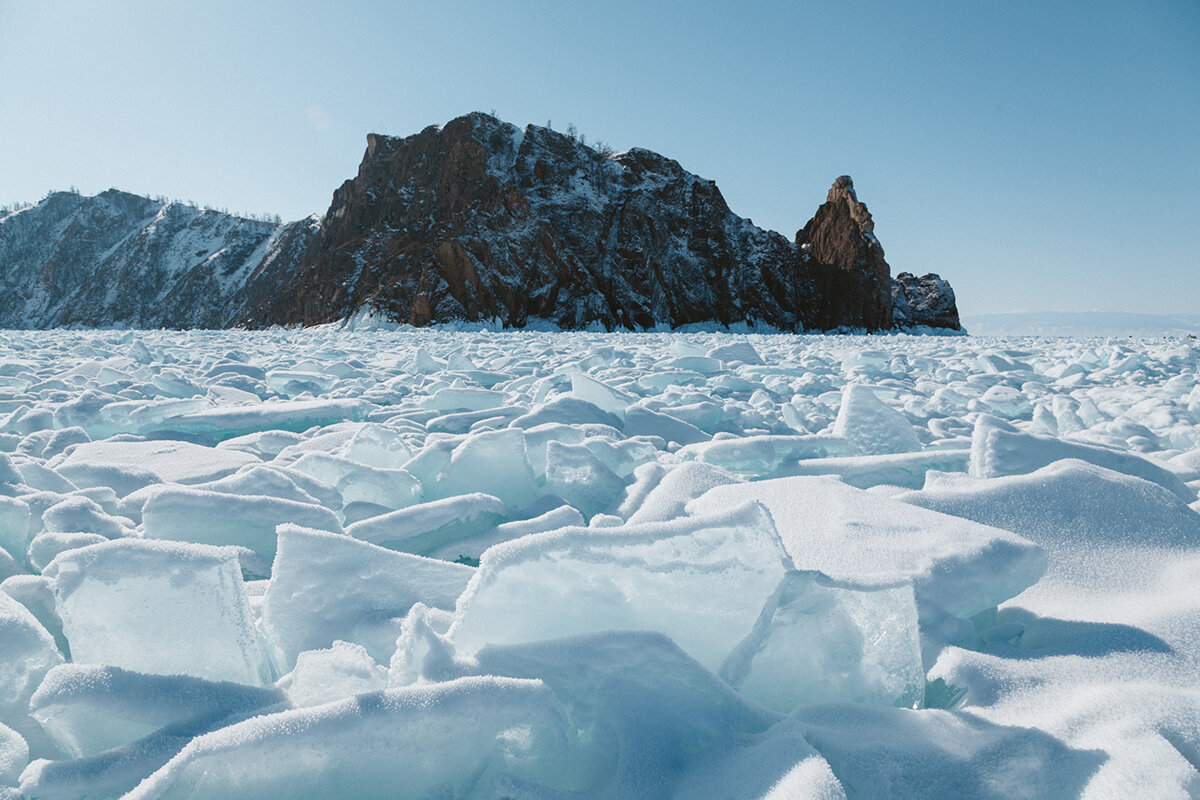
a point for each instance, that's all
(689, 565)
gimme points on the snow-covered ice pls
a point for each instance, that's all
(462, 563)
(144, 604)
(89, 709)
(669, 577)
(954, 565)
(327, 587)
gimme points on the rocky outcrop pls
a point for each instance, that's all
(480, 220)
(925, 301)
(853, 280)
(477, 220)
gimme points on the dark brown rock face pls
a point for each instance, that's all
(852, 277)
(480, 220)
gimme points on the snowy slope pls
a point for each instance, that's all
(119, 259)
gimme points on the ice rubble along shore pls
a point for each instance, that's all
(447, 564)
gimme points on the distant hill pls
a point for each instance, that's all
(1083, 323)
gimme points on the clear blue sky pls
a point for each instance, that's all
(1039, 155)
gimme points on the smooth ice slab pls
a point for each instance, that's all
(644, 422)
(194, 515)
(15, 531)
(577, 476)
(567, 410)
(762, 456)
(171, 461)
(326, 586)
(388, 488)
(645, 710)
(493, 462)
(819, 640)
(377, 446)
(434, 526)
(600, 394)
(736, 352)
(219, 424)
(955, 565)
(36, 593)
(702, 581)
(893, 469)
(649, 720)
(464, 398)
(444, 740)
(160, 607)
(539, 438)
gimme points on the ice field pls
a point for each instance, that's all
(450, 564)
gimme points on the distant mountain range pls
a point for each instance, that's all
(1083, 324)
(476, 220)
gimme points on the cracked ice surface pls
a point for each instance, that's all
(451, 563)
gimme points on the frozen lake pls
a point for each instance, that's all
(447, 564)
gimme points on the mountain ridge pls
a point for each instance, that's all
(474, 220)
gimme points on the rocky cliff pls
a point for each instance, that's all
(853, 280)
(476, 220)
(927, 300)
(480, 220)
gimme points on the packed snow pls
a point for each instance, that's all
(474, 564)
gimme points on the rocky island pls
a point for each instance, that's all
(474, 220)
